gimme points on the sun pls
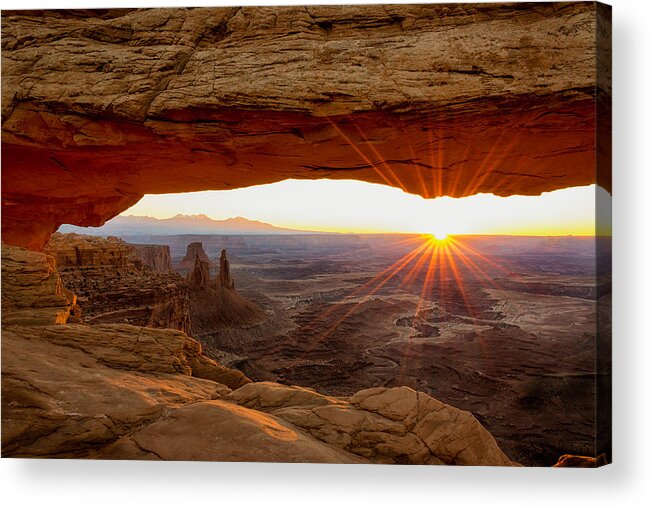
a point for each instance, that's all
(437, 236)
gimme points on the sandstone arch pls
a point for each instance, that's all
(101, 107)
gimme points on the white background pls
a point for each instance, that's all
(626, 482)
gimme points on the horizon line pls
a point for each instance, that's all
(348, 233)
(298, 230)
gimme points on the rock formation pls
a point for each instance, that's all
(77, 250)
(435, 99)
(383, 425)
(140, 393)
(224, 278)
(32, 291)
(199, 277)
(215, 304)
(103, 107)
(113, 286)
(194, 250)
(156, 258)
(572, 461)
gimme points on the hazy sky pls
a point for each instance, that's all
(354, 206)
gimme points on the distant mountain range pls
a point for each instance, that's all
(131, 225)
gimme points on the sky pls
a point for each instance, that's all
(355, 206)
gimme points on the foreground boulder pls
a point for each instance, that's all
(219, 431)
(397, 425)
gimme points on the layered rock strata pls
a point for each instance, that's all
(99, 110)
(32, 290)
(114, 285)
(156, 258)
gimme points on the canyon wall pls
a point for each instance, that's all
(32, 290)
(113, 285)
(102, 107)
(155, 257)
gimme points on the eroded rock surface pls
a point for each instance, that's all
(228, 433)
(199, 277)
(118, 391)
(32, 291)
(114, 285)
(385, 425)
(435, 99)
(573, 461)
(157, 258)
(34, 299)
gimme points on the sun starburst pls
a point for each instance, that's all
(439, 268)
(442, 264)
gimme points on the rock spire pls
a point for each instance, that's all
(224, 278)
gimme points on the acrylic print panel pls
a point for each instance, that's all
(340, 234)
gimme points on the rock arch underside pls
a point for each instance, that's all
(101, 107)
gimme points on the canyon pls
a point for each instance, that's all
(510, 336)
(116, 282)
(512, 349)
(118, 391)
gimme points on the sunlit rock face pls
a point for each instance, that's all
(115, 284)
(102, 107)
(32, 290)
(384, 425)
